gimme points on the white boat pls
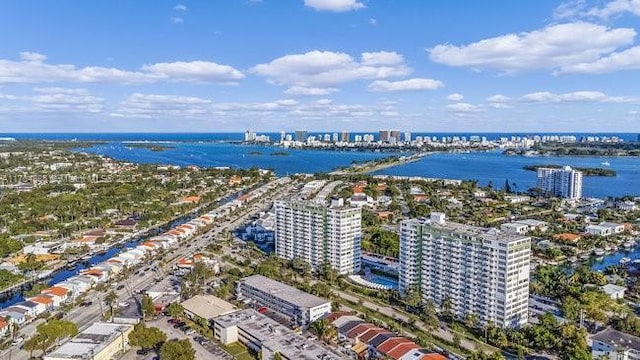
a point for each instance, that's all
(628, 245)
(573, 259)
(636, 261)
(585, 256)
(598, 252)
(605, 163)
(625, 260)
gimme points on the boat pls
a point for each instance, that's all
(585, 256)
(625, 260)
(605, 163)
(628, 245)
(573, 259)
(636, 261)
(44, 274)
(598, 252)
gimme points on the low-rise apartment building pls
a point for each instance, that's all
(301, 307)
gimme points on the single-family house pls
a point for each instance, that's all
(33, 308)
(614, 291)
(59, 294)
(17, 316)
(47, 301)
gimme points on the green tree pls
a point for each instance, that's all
(177, 350)
(277, 356)
(148, 309)
(175, 310)
(146, 337)
(36, 342)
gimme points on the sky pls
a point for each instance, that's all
(323, 65)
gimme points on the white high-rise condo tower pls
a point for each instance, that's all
(476, 270)
(319, 234)
(565, 182)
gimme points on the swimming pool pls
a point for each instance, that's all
(383, 281)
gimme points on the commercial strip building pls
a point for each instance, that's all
(319, 234)
(480, 271)
(262, 334)
(301, 307)
(565, 182)
(615, 345)
(101, 341)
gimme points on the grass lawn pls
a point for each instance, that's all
(239, 352)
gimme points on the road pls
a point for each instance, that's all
(87, 315)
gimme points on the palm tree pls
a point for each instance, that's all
(111, 299)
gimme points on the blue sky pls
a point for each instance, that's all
(270, 65)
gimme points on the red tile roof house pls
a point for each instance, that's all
(367, 336)
(44, 300)
(4, 327)
(402, 349)
(58, 294)
(383, 349)
(358, 330)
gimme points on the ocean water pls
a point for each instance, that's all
(494, 167)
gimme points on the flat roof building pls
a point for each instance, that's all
(615, 345)
(101, 341)
(260, 333)
(301, 307)
(207, 307)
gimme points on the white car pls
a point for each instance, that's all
(17, 341)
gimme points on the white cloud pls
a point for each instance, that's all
(615, 7)
(55, 99)
(554, 47)
(33, 69)
(464, 108)
(547, 97)
(334, 5)
(382, 58)
(416, 84)
(576, 96)
(309, 91)
(325, 68)
(498, 98)
(197, 71)
(628, 59)
(373, 21)
(455, 97)
(176, 20)
(180, 7)
(32, 56)
(139, 105)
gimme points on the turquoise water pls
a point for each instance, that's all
(383, 280)
(494, 167)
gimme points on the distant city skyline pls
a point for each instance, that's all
(347, 65)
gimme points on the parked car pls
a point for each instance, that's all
(17, 341)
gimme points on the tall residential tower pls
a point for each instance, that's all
(565, 182)
(319, 234)
(478, 271)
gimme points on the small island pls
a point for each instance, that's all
(152, 147)
(255, 153)
(585, 171)
(280, 153)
